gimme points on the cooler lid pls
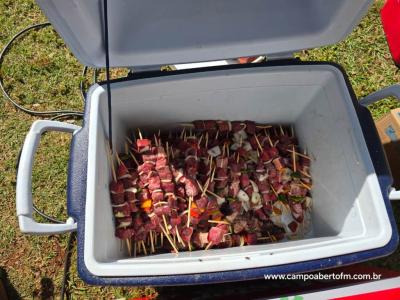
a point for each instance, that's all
(161, 32)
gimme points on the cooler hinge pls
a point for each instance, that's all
(280, 56)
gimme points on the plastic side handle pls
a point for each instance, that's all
(24, 180)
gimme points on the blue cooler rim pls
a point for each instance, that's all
(76, 193)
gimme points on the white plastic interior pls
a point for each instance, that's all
(348, 213)
(155, 32)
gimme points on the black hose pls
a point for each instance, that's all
(54, 115)
(67, 263)
(49, 113)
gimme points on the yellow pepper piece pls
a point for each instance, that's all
(146, 203)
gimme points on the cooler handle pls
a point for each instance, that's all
(24, 180)
(393, 90)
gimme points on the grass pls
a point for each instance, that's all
(42, 73)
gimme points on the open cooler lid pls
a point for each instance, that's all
(152, 32)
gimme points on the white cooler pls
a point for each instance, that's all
(352, 219)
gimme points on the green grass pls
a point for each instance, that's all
(42, 73)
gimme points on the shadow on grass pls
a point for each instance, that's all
(46, 289)
(9, 288)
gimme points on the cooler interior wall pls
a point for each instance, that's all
(308, 98)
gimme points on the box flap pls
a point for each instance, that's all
(177, 31)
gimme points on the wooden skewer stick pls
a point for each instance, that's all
(271, 237)
(237, 158)
(282, 132)
(151, 242)
(299, 154)
(270, 141)
(294, 159)
(138, 246)
(190, 246)
(155, 140)
(200, 186)
(264, 238)
(305, 185)
(162, 239)
(126, 148)
(276, 194)
(258, 143)
(189, 208)
(206, 187)
(219, 222)
(172, 152)
(208, 246)
(165, 224)
(182, 132)
(134, 249)
(263, 126)
(134, 158)
(186, 124)
(169, 239)
(144, 247)
(118, 159)
(129, 140)
(216, 135)
(292, 131)
(128, 245)
(215, 195)
(140, 134)
(305, 174)
(167, 149)
(200, 139)
(179, 237)
(206, 140)
(213, 173)
(109, 154)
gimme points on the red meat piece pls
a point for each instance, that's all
(154, 182)
(216, 234)
(202, 202)
(273, 152)
(199, 125)
(168, 187)
(157, 196)
(237, 126)
(123, 222)
(234, 188)
(121, 210)
(191, 188)
(250, 127)
(293, 226)
(186, 233)
(124, 233)
(143, 145)
(132, 205)
(236, 206)
(244, 180)
(251, 238)
(122, 171)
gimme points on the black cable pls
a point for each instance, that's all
(67, 263)
(8, 97)
(54, 114)
(81, 84)
(107, 72)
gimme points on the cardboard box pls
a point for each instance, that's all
(389, 133)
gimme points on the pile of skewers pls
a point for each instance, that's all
(210, 184)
